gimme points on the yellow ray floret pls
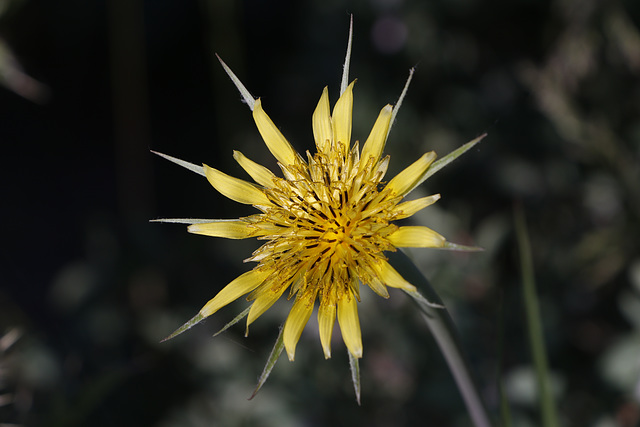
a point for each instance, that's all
(234, 290)
(259, 173)
(276, 142)
(416, 237)
(228, 228)
(350, 324)
(375, 142)
(296, 321)
(321, 123)
(234, 188)
(341, 118)
(406, 180)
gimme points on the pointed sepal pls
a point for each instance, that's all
(444, 161)
(194, 168)
(271, 362)
(462, 248)
(194, 321)
(235, 320)
(354, 364)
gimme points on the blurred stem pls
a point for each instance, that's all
(445, 334)
(534, 322)
(505, 411)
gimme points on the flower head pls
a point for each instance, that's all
(326, 222)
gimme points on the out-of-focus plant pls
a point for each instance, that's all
(12, 75)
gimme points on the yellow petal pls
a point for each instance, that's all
(259, 173)
(234, 290)
(350, 324)
(392, 278)
(236, 189)
(326, 320)
(342, 116)
(322, 131)
(375, 142)
(406, 180)
(406, 209)
(227, 228)
(296, 321)
(273, 138)
(266, 299)
(416, 237)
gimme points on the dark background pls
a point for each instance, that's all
(90, 286)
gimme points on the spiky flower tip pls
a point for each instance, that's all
(326, 222)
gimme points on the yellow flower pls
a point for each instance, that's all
(326, 222)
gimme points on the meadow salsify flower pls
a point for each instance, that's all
(327, 221)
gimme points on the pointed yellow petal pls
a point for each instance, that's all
(226, 228)
(259, 173)
(326, 320)
(392, 278)
(342, 116)
(236, 189)
(273, 138)
(406, 209)
(263, 303)
(350, 324)
(375, 142)
(416, 237)
(406, 180)
(322, 131)
(235, 289)
(296, 321)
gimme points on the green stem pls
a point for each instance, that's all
(534, 322)
(445, 334)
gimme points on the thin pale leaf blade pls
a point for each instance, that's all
(354, 364)
(344, 82)
(444, 161)
(235, 320)
(192, 167)
(185, 220)
(462, 248)
(194, 321)
(271, 362)
(246, 95)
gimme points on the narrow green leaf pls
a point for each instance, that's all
(534, 322)
(354, 364)
(271, 362)
(235, 320)
(445, 334)
(194, 321)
